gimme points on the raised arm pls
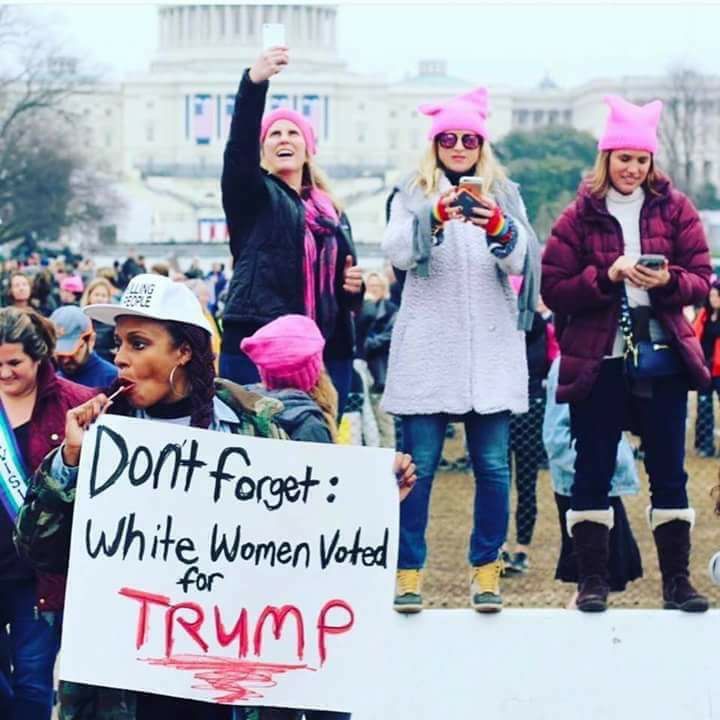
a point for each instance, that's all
(243, 185)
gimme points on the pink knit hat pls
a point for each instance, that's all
(287, 352)
(464, 112)
(631, 127)
(294, 117)
(73, 283)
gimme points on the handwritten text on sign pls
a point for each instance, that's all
(227, 568)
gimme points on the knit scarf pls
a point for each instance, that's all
(320, 260)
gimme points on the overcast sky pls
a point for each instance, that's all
(514, 44)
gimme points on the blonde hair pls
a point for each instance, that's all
(325, 396)
(429, 173)
(96, 283)
(313, 177)
(598, 179)
(380, 277)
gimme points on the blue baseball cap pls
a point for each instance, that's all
(71, 323)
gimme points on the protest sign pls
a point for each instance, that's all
(228, 568)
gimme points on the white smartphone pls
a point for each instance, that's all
(273, 35)
(473, 184)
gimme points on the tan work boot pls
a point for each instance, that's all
(407, 593)
(485, 587)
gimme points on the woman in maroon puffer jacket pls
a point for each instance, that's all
(34, 402)
(626, 208)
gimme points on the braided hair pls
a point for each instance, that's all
(200, 373)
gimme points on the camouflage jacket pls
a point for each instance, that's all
(43, 527)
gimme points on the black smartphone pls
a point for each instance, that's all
(466, 202)
(652, 262)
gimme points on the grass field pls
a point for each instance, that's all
(446, 582)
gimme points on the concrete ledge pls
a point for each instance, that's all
(548, 665)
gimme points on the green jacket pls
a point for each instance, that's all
(42, 536)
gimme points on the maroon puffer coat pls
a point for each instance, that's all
(47, 430)
(584, 242)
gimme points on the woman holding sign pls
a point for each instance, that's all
(166, 374)
(459, 228)
(33, 404)
(291, 245)
(622, 261)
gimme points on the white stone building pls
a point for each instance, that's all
(172, 120)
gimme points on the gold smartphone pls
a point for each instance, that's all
(472, 184)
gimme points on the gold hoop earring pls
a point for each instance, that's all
(171, 380)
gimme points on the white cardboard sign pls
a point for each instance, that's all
(227, 568)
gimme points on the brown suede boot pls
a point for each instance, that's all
(590, 540)
(672, 540)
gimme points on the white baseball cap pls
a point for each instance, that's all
(155, 297)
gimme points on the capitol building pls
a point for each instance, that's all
(162, 132)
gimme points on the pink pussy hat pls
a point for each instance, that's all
(287, 352)
(297, 119)
(464, 112)
(73, 283)
(631, 127)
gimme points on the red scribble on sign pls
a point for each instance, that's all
(235, 680)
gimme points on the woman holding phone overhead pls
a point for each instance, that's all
(458, 225)
(621, 263)
(291, 245)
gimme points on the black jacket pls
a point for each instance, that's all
(266, 223)
(374, 325)
(536, 346)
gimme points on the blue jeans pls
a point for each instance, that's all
(34, 641)
(487, 440)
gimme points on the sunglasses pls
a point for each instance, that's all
(448, 140)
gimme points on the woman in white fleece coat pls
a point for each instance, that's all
(457, 351)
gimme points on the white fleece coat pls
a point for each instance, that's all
(455, 346)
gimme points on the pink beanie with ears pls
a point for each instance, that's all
(631, 127)
(72, 283)
(464, 112)
(287, 352)
(296, 118)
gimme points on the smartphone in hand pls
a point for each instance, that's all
(470, 191)
(471, 184)
(273, 35)
(652, 262)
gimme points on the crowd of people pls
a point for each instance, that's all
(543, 357)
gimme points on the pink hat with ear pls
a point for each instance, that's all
(288, 352)
(631, 127)
(72, 283)
(296, 118)
(464, 112)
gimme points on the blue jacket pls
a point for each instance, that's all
(95, 373)
(561, 451)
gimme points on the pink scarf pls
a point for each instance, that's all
(320, 259)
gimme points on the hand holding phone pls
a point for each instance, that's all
(652, 262)
(651, 271)
(469, 195)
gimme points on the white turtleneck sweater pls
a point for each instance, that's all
(626, 210)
